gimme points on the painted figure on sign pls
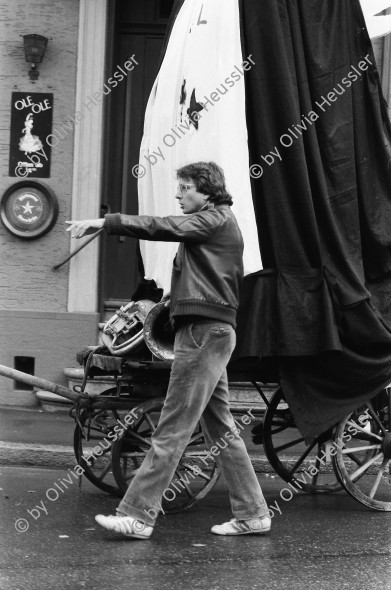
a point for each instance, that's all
(29, 143)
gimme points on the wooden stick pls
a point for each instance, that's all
(42, 384)
(95, 235)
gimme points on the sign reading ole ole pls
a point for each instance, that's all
(35, 107)
(31, 123)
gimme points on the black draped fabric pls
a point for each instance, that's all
(323, 206)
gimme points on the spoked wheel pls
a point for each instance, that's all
(92, 442)
(308, 468)
(363, 453)
(195, 475)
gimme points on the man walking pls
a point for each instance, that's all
(206, 276)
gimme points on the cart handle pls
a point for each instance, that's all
(42, 384)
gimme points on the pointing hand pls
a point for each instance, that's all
(79, 229)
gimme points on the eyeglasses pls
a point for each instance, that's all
(184, 187)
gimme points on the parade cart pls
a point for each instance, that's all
(113, 429)
(317, 207)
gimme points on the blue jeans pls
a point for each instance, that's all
(197, 391)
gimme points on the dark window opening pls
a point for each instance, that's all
(165, 7)
(26, 364)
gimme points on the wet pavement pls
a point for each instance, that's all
(318, 541)
(34, 425)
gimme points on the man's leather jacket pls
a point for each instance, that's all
(208, 268)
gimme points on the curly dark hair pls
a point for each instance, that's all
(209, 179)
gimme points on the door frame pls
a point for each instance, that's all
(88, 142)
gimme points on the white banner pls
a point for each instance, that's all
(196, 112)
(377, 25)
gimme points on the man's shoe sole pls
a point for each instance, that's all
(244, 533)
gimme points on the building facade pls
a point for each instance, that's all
(100, 62)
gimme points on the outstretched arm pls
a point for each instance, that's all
(174, 228)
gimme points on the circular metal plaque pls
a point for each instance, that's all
(28, 209)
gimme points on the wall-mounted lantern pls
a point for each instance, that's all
(34, 47)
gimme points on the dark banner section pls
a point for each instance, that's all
(31, 123)
(320, 146)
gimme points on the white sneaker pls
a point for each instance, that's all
(126, 525)
(253, 526)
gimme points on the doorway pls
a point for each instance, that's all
(137, 28)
